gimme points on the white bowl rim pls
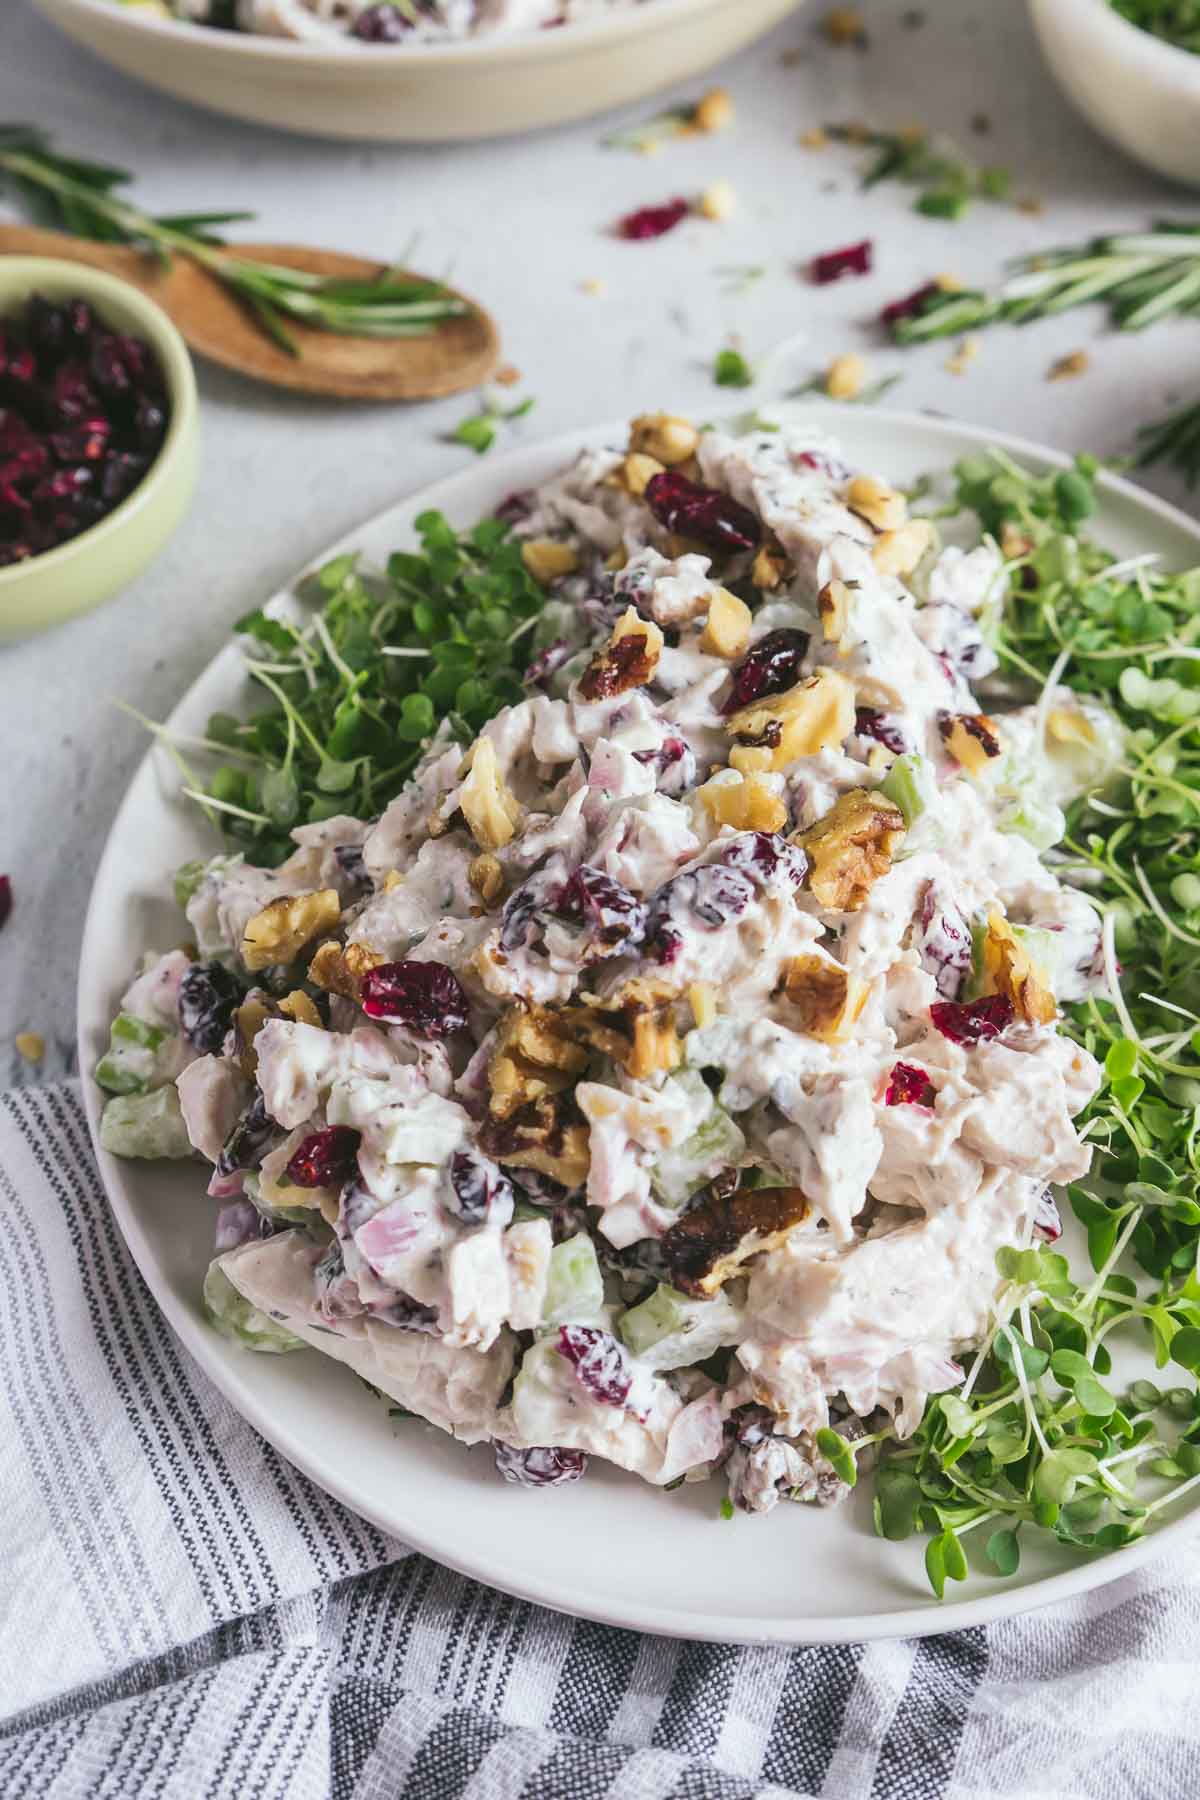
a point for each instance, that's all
(1169, 59)
(180, 378)
(540, 45)
(917, 1621)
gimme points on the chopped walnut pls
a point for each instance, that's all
(637, 471)
(824, 998)
(628, 660)
(537, 1053)
(833, 608)
(714, 111)
(727, 630)
(282, 929)
(771, 734)
(702, 998)
(709, 1244)
(898, 552)
(845, 376)
(635, 1027)
(770, 568)
(302, 1008)
(538, 1137)
(971, 739)
(1009, 969)
(851, 847)
(548, 561)
(487, 802)
(248, 1021)
(339, 969)
(670, 440)
(486, 876)
(749, 804)
(880, 505)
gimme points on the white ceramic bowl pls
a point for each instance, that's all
(427, 93)
(1137, 91)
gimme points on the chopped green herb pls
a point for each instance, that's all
(726, 1508)
(816, 384)
(479, 431)
(731, 369)
(948, 180)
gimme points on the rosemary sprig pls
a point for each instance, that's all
(1174, 440)
(1141, 276)
(82, 197)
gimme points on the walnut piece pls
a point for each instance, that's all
(851, 847)
(486, 876)
(302, 1008)
(539, 1137)
(637, 471)
(709, 1244)
(537, 1054)
(248, 1021)
(898, 552)
(339, 969)
(283, 928)
(1009, 969)
(635, 1027)
(971, 738)
(702, 998)
(727, 630)
(880, 505)
(628, 660)
(824, 999)
(664, 436)
(833, 608)
(487, 802)
(748, 804)
(770, 568)
(547, 561)
(771, 734)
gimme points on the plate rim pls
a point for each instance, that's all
(658, 1620)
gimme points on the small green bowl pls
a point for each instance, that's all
(89, 569)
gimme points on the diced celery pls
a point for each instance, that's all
(671, 1331)
(910, 785)
(188, 877)
(235, 1317)
(574, 1284)
(1040, 822)
(715, 1144)
(132, 1064)
(145, 1125)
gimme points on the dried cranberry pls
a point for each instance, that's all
(593, 899)
(118, 363)
(973, 1021)
(208, 996)
(120, 473)
(855, 259)
(6, 898)
(601, 1364)
(885, 729)
(911, 305)
(326, 1159)
(701, 513)
(72, 396)
(539, 1467)
(82, 443)
(381, 24)
(515, 507)
(64, 484)
(1046, 1221)
(149, 423)
(653, 221)
(480, 1192)
(674, 765)
(17, 364)
(547, 663)
(25, 465)
(427, 997)
(764, 855)
(772, 665)
(248, 1142)
(47, 325)
(910, 1086)
(12, 500)
(943, 941)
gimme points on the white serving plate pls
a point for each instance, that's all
(608, 1547)
(426, 93)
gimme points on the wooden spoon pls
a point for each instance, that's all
(458, 353)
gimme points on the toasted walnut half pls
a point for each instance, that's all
(851, 847)
(824, 999)
(898, 552)
(880, 505)
(709, 1244)
(487, 802)
(771, 734)
(833, 606)
(636, 1027)
(727, 631)
(302, 1008)
(537, 1053)
(539, 1137)
(547, 561)
(1009, 969)
(770, 568)
(282, 930)
(667, 438)
(748, 804)
(971, 739)
(339, 969)
(628, 660)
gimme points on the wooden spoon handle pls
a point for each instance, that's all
(116, 259)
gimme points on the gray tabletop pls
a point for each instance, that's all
(523, 224)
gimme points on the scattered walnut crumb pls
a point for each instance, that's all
(31, 1046)
(791, 59)
(949, 283)
(718, 201)
(714, 111)
(1029, 203)
(594, 286)
(963, 357)
(815, 138)
(506, 375)
(1067, 367)
(844, 27)
(846, 377)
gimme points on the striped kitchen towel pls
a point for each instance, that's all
(183, 1615)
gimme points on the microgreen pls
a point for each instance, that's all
(1141, 276)
(479, 431)
(948, 180)
(82, 197)
(1176, 21)
(1037, 1438)
(730, 369)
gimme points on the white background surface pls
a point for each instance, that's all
(522, 224)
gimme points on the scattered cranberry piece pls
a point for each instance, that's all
(427, 997)
(772, 665)
(972, 1021)
(855, 259)
(702, 513)
(547, 663)
(910, 1086)
(910, 306)
(591, 898)
(883, 728)
(539, 1467)
(326, 1159)
(6, 897)
(601, 1364)
(653, 221)
(482, 1193)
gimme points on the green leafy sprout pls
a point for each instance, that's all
(948, 180)
(1175, 21)
(479, 431)
(83, 198)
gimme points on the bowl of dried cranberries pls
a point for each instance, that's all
(98, 439)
